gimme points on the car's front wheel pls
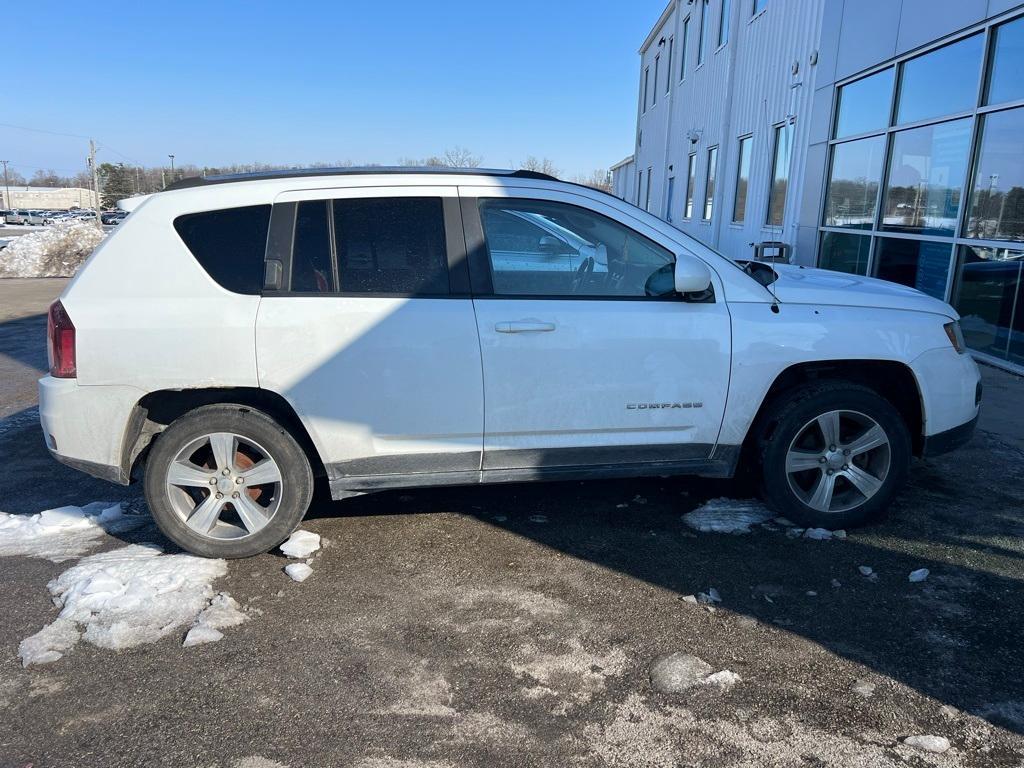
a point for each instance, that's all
(227, 481)
(834, 455)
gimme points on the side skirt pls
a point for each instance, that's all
(721, 465)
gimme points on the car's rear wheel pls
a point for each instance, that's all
(227, 481)
(834, 455)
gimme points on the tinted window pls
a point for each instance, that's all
(845, 253)
(919, 264)
(853, 183)
(391, 245)
(780, 175)
(311, 249)
(739, 206)
(540, 248)
(1005, 82)
(941, 82)
(709, 183)
(864, 104)
(926, 173)
(997, 199)
(230, 244)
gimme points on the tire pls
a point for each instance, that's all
(799, 463)
(249, 516)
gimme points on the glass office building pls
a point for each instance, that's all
(925, 180)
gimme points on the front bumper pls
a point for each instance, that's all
(950, 440)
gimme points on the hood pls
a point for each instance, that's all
(806, 285)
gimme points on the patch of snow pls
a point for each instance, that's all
(836, 583)
(638, 499)
(678, 672)
(865, 570)
(538, 518)
(927, 743)
(864, 688)
(298, 571)
(57, 251)
(794, 533)
(919, 575)
(128, 597)
(62, 533)
(221, 613)
(727, 516)
(823, 534)
(785, 522)
(711, 596)
(301, 544)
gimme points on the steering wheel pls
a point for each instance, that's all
(583, 271)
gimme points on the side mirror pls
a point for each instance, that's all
(692, 274)
(553, 246)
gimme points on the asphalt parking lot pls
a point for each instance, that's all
(517, 625)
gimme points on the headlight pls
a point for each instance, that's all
(956, 336)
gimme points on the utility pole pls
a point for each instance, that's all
(172, 168)
(95, 182)
(7, 186)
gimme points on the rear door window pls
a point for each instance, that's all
(230, 244)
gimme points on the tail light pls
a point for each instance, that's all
(60, 333)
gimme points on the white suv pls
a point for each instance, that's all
(238, 337)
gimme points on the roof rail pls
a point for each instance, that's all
(291, 173)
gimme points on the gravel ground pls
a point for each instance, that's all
(518, 625)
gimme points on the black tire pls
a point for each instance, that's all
(296, 479)
(791, 414)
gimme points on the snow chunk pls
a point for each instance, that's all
(62, 533)
(864, 688)
(128, 597)
(919, 575)
(222, 612)
(823, 534)
(727, 516)
(709, 597)
(865, 570)
(301, 544)
(57, 251)
(298, 571)
(48, 644)
(678, 672)
(936, 744)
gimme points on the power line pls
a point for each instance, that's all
(41, 130)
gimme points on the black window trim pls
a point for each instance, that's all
(281, 241)
(480, 261)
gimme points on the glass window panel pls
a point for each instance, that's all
(657, 68)
(864, 104)
(990, 300)
(759, 5)
(311, 249)
(853, 183)
(739, 206)
(1005, 81)
(723, 22)
(709, 183)
(780, 175)
(684, 47)
(691, 183)
(702, 39)
(997, 197)
(917, 263)
(668, 66)
(926, 174)
(845, 252)
(543, 248)
(941, 82)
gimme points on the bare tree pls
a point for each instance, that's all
(47, 178)
(460, 157)
(599, 179)
(544, 165)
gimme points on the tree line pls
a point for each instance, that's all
(120, 180)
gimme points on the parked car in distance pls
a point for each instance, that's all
(55, 216)
(34, 218)
(381, 328)
(112, 217)
(16, 216)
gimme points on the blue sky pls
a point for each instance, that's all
(297, 82)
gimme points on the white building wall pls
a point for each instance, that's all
(744, 87)
(624, 179)
(46, 198)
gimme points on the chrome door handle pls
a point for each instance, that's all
(524, 326)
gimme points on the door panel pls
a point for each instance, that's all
(611, 374)
(386, 385)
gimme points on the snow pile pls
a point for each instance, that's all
(298, 571)
(57, 251)
(936, 744)
(63, 533)
(727, 516)
(221, 613)
(678, 672)
(126, 597)
(301, 544)
(919, 575)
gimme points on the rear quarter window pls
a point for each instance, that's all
(230, 244)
